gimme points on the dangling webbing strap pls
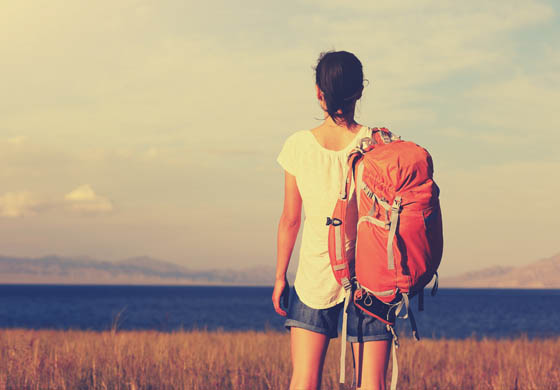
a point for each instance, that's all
(394, 346)
(436, 285)
(413, 326)
(348, 296)
(405, 303)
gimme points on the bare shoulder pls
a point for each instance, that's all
(316, 130)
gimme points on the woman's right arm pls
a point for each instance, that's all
(288, 229)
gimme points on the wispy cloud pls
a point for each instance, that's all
(84, 200)
(18, 140)
(19, 204)
(81, 201)
(491, 138)
(524, 103)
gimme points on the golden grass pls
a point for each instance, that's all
(134, 360)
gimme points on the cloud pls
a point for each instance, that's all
(84, 200)
(420, 42)
(17, 140)
(156, 97)
(493, 138)
(19, 204)
(527, 103)
(13, 143)
(414, 52)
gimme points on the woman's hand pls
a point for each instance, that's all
(280, 293)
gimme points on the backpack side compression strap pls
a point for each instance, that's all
(343, 343)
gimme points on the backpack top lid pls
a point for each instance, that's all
(399, 168)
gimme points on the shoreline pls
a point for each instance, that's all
(222, 284)
(402, 334)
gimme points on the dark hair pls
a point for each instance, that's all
(340, 77)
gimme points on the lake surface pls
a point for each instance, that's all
(452, 313)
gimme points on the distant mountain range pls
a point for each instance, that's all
(543, 273)
(134, 270)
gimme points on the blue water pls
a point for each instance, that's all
(452, 313)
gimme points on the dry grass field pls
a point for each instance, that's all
(133, 360)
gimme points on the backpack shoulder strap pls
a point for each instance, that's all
(336, 223)
(353, 158)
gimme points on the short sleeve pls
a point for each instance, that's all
(288, 157)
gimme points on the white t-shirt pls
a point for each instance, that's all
(319, 175)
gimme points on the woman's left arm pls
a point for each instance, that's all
(288, 229)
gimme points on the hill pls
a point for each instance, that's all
(54, 269)
(544, 273)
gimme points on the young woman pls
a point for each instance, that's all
(314, 162)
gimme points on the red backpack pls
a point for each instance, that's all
(399, 241)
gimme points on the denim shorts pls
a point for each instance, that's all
(360, 327)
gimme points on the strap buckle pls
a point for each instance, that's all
(396, 207)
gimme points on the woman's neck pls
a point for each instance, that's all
(343, 124)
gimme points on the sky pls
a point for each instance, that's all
(152, 127)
